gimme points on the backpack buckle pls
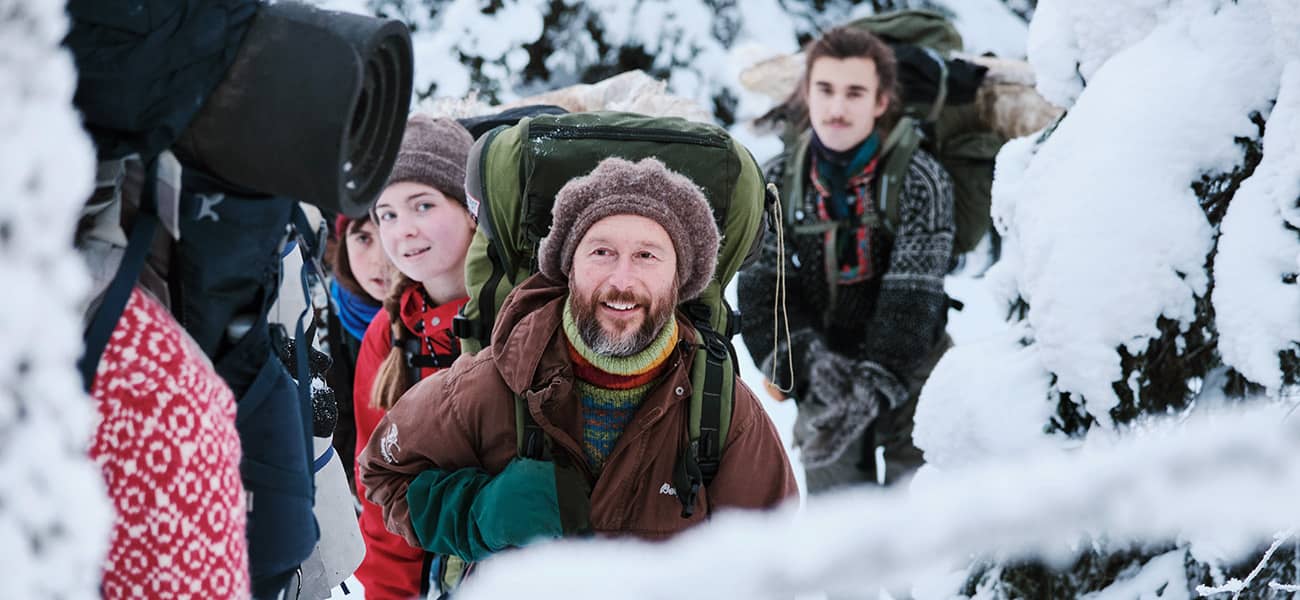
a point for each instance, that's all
(534, 443)
(714, 344)
(733, 323)
(689, 470)
(464, 327)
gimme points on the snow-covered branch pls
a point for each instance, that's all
(1227, 478)
(53, 519)
(1256, 298)
(1237, 586)
(1104, 234)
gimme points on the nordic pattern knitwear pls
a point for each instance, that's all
(433, 152)
(611, 388)
(646, 188)
(167, 446)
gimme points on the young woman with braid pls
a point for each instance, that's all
(425, 229)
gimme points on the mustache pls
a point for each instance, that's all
(836, 121)
(623, 297)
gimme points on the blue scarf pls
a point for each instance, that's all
(355, 312)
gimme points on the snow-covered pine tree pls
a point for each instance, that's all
(507, 49)
(1151, 244)
(54, 520)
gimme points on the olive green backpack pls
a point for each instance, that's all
(939, 115)
(512, 177)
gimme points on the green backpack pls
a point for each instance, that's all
(939, 115)
(512, 177)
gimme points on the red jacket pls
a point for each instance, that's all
(392, 569)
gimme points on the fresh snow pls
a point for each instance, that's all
(1259, 314)
(1227, 477)
(1103, 232)
(1001, 371)
(54, 518)
(1165, 572)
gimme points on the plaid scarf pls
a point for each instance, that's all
(844, 195)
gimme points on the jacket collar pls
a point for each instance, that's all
(425, 319)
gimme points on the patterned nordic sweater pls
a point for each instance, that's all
(167, 446)
(894, 319)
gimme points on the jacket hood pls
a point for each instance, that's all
(529, 320)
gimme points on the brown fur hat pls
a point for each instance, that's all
(646, 188)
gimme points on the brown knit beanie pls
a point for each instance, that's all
(646, 188)
(433, 152)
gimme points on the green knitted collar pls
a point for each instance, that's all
(643, 361)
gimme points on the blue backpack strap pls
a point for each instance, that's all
(323, 459)
(119, 290)
(310, 275)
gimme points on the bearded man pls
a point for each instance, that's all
(602, 358)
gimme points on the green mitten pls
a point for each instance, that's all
(471, 514)
(518, 506)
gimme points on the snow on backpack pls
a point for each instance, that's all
(939, 115)
(513, 175)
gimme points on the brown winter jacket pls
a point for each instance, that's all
(464, 417)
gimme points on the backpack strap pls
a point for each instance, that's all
(416, 360)
(572, 492)
(792, 180)
(898, 150)
(709, 418)
(530, 440)
(941, 94)
(312, 277)
(479, 205)
(119, 291)
(164, 170)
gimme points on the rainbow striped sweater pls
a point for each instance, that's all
(612, 388)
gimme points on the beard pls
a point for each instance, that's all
(624, 343)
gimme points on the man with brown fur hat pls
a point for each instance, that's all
(597, 349)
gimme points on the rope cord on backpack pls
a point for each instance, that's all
(779, 313)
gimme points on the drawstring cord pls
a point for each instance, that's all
(780, 316)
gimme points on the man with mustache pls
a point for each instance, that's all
(602, 359)
(866, 305)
